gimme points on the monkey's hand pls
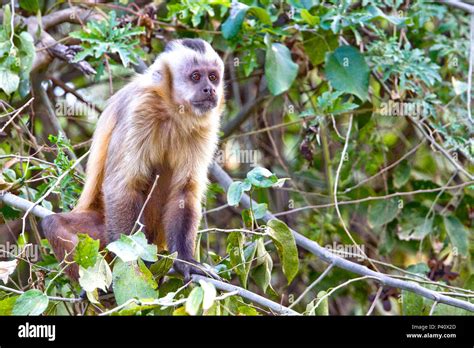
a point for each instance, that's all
(189, 267)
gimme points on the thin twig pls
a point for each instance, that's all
(336, 181)
(375, 198)
(313, 284)
(52, 298)
(383, 170)
(325, 255)
(16, 114)
(275, 307)
(374, 302)
(46, 194)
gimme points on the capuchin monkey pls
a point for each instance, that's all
(164, 123)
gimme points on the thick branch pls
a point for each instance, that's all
(459, 4)
(70, 15)
(275, 307)
(225, 180)
(25, 205)
(48, 48)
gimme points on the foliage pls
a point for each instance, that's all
(302, 69)
(101, 39)
(17, 53)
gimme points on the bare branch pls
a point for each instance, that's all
(441, 149)
(224, 179)
(324, 254)
(23, 204)
(243, 115)
(48, 48)
(41, 212)
(71, 15)
(459, 4)
(275, 307)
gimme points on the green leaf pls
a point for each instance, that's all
(232, 25)
(261, 177)
(444, 309)
(247, 310)
(376, 12)
(7, 18)
(236, 190)
(7, 304)
(280, 70)
(133, 280)
(31, 302)
(412, 304)
(286, 247)
(194, 300)
(401, 174)
(309, 18)
(87, 251)
(419, 268)
(235, 249)
(29, 5)
(259, 210)
(262, 273)
(9, 81)
(80, 56)
(130, 248)
(27, 51)
(317, 44)
(247, 218)
(415, 224)
(382, 212)
(261, 14)
(161, 268)
(97, 277)
(210, 294)
(322, 308)
(458, 234)
(348, 72)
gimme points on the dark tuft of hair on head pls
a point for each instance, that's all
(195, 44)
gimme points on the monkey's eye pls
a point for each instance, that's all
(212, 77)
(195, 76)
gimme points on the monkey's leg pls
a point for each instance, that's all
(181, 217)
(61, 231)
(122, 208)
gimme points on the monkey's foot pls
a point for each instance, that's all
(189, 267)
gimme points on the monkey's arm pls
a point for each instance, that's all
(181, 218)
(122, 208)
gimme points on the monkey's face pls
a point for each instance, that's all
(203, 82)
(198, 84)
(196, 73)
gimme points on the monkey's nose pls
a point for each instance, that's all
(209, 91)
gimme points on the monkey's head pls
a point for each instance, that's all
(195, 73)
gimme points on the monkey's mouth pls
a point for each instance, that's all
(205, 104)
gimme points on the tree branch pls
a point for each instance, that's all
(47, 48)
(325, 255)
(70, 15)
(242, 116)
(275, 307)
(225, 180)
(25, 205)
(459, 4)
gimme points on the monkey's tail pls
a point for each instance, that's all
(91, 194)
